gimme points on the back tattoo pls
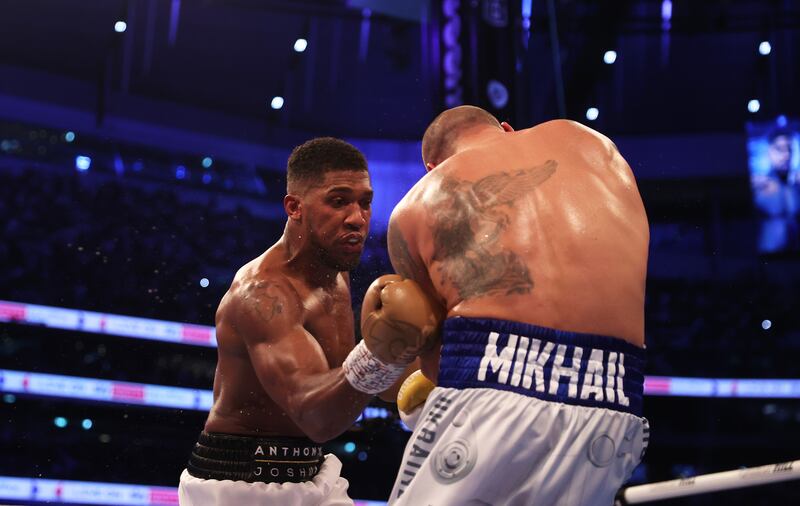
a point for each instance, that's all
(469, 218)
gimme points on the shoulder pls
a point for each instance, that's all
(577, 130)
(586, 136)
(265, 299)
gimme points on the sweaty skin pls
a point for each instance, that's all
(286, 325)
(542, 226)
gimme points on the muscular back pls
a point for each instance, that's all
(542, 226)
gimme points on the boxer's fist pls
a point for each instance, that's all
(398, 319)
(412, 396)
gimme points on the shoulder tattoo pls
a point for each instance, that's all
(266, 299)
(468, 220)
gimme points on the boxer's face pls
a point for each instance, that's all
(337, 212)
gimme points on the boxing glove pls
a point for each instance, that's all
(412, 396)
(398, 319)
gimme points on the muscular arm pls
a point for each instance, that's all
(405, 255)
(290, 364)
(407, 261)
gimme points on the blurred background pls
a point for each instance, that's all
(143, 146)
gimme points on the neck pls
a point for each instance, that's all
(476, 136)
(302, 260)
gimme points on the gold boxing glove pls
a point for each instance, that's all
(398, 319)
(412, 396)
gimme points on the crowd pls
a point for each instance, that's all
(109, 246)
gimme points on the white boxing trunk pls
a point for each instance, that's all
(525, 416)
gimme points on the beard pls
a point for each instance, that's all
(329, 259)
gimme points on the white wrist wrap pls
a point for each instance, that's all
(368, 374)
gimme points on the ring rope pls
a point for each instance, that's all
(713, 482)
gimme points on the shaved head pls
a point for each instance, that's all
(438, 143)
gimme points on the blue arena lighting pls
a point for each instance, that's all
(349, 447)
(106, 323)
(207, 162)
(87, 424)
(527, 8)
(69, 136)
(300, 45)
(610, 57)
(49, 385)
(9, 398)
(592, 113)
(120, 26)
(362, 456)
(765, 48)
(204, 282)
(82, 163)
(754, 105)
(276, 103)
(60, 422)
(666, 11)
(180, 172)
(766, 324)
(206, 178)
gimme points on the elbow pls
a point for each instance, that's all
(319, 432)
(313, 424)
(318, 437)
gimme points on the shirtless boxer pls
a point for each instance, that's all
(288, 376)
(535, 243)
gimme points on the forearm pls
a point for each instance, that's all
(390, 395)
(325, 405)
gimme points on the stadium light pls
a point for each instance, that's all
(82, 163)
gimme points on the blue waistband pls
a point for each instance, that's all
(552, 365)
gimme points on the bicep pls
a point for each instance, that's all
(284, 362)
(283, 354)
(405, 254)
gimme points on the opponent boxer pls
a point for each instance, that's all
(288, 376)
(535, 244)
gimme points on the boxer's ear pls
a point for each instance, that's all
(293, 207)
(429, 166)
(506, 126)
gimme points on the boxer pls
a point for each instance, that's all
(288, 375)
(534, 243)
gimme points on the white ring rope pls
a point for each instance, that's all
(713, 482)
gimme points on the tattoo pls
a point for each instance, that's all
(402, 261)
(266, 303)
(469, 218)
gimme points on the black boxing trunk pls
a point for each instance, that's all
(252, 459)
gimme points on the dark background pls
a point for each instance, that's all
(191, 79)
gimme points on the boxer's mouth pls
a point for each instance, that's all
(352, 242)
